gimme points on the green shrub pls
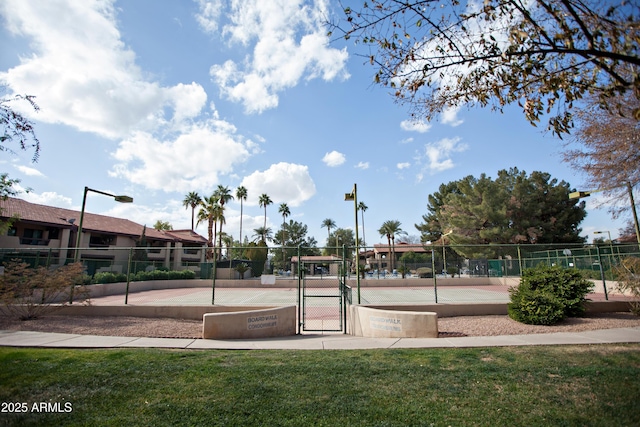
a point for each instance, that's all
(140, 276)
(242, 268)
(535, 307)
(109, 277)
(543, 289)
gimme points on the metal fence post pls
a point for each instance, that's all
(298, 299)
(126, 292)
(604, 284)
(213, 282)
(433, 273)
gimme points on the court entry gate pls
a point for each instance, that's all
(323, 295)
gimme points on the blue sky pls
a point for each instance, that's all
(157, 98)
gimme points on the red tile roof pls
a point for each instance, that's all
(50, 215)
(186, 236)
(402, 247)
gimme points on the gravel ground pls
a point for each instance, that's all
(175, 328)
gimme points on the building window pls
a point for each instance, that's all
(54, 233)
(32, 237)
(102, 240)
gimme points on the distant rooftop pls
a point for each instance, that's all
(67, 218)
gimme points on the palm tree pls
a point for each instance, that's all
(263, 233)
(220, 219)
(264, 201)
(285, 212)
(241, 194)
(390, 229)
(329, 223)
(362, 207)
(192, 199)
(224, 195)
(227, 239)
(162, 225)
(209, 212)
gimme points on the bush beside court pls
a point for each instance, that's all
(546, 295)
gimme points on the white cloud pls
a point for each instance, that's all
(48, 198)
(290, 45)
(404, 165)
(209, 14)
(362, 165)
(439, 154)
(334, 159)
(282, 182)
(415, 126)
(29, 171)
(84, 76)
(406, 140)
(192, 161)
(450, 117)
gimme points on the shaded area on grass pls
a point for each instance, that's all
(564, 385)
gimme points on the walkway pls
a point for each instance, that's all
(316, 342)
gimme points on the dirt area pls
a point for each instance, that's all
(176, 328)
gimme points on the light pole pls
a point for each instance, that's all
(602, 232)
(581, 194)
(348, 197)
(121, 199)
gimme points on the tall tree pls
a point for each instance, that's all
(542, 54)
(220, 219)
(293, 236)
(285, 212)
(329, 224)
(241, 195)
(262, 234)
(223, 194)
(431, 229)
(362, 208)
(193, 200)
(513, 208)
(345, 236)
(264, 200)
(210, 212)
(391, 229)
(606, 148)
(227, 240)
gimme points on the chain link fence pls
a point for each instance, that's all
(399, 274)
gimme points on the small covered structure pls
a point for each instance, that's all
(318, 264)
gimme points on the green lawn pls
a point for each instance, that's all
(526, 386)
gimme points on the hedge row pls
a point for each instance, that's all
(141, 276)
